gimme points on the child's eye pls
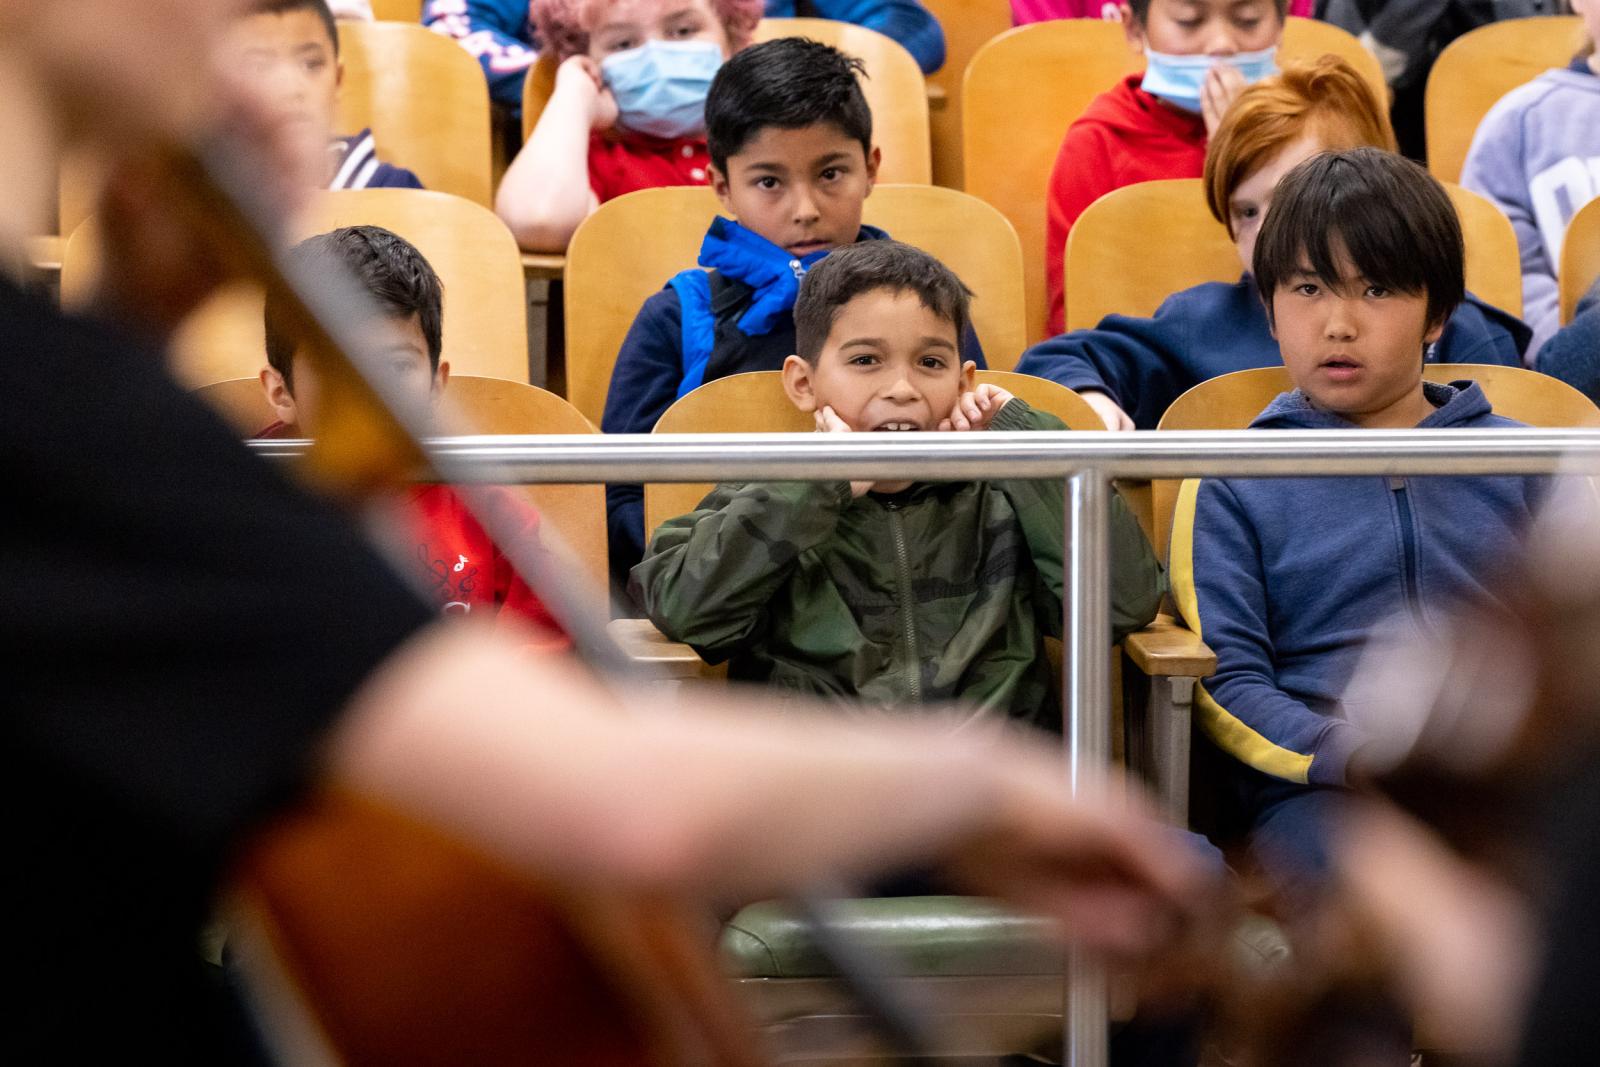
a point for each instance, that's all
(1188, 25)
(862, 361)
(314, 66)
(831, 174)
(1377, 291)
(768, 182)
(1246, 213)
(1248, 23)
(622, 44)
(1307, 289)
(932, 362)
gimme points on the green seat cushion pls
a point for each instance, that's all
(910, 936)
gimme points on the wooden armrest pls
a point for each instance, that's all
(1168, 649)
(938, 99)
(45, 253)
(645, 644)
(543, 265)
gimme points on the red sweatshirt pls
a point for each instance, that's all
(460, 568)
(1125, 137)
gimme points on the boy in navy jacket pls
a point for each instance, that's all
(1359, 264)
(792, 159)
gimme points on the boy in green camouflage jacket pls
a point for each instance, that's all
(890, 593)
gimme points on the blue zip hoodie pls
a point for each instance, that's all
(1285, 579)
(741, 318)
(500, 37)
(1216, 328)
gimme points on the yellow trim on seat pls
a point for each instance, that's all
(1233, 734)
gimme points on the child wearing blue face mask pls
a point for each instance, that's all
(1199, 54)
(628, 109)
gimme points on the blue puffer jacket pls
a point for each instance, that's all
(704, 325)
(1216, 328)
(500, 38)
(1287, 578)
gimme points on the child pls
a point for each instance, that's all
(499, 33)
(1573, 354)
(1026, 11)
(887, 593)
(287, 53)
(1131, 369)
(628, 109)
(1537, 156)
(460, 566)
(790, 138)
(1199, 55)
(1359, 263)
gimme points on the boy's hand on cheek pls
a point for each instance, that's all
(580, 77)
(1222, 87)
(976, 409)
(828, 421)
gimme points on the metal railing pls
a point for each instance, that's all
(1087, 462)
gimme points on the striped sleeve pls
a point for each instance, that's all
(1221, 591)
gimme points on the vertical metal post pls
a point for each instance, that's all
(1086, 686)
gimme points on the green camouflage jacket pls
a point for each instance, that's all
(942, 592)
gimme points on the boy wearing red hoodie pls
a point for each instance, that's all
(458, 565)
(1199, 55)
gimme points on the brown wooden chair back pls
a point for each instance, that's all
(1580, 258)
(756, 403)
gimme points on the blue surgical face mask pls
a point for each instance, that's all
(661, 86)
(1177, 79)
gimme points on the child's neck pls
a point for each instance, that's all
(1405, 413)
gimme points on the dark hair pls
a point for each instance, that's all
(1141, 8)
(283, 7)
(387, 266)
(790, 83)
(1391, 217)
(866, 267)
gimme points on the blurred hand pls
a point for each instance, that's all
(579, 77)
(1112, 415)
(1222, 87)
(1461, 943)
(975, 409)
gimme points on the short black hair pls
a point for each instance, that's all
(1141, 9)
(790, 83)
(386, 265)
(866, 267)
(1389, 215)
(283, 7)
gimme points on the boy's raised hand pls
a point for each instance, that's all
(974, 410)
(579, 77)
(828, 421)
(1222, 86)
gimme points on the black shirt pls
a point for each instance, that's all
(179, 626)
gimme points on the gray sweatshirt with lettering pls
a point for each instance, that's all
(1537, 156)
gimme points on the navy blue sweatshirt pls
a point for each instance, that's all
(753, 285)
(1214, 329)
(1286, 579)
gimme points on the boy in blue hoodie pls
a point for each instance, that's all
(790, 138)
(1359, 265)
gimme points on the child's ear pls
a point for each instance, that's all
(969, 376)
(1435, 331)
(441, 378)
(719, 185)
(1131, 29)
(799, 384)
(278, 396)
(338, 74)
(874, 161)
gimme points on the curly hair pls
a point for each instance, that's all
(564, 25)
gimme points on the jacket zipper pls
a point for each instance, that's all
(799, 270)
(908, 615)
(1408, 544)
